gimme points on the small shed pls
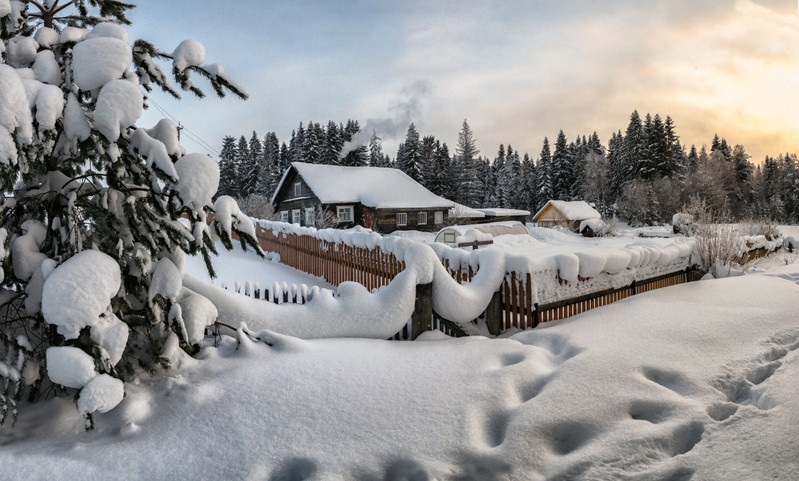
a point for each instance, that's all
(561, 213)
(482, 234)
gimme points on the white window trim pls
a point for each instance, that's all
(421, 216)
(310, 216)
(297, 189)
(284, 216)
(438, 217)
(345, 208)
(404, 217)
(296, 216)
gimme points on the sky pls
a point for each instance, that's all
(516, 70)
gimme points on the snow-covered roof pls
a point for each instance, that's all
(493, 228)
(460, 211)
(376, 187)
(572, 210)
(498, 212)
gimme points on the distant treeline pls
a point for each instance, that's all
(644, 175)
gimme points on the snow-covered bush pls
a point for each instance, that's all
(258, 207)
(102, 210)
(717, 247)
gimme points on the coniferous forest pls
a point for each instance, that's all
(643, 175)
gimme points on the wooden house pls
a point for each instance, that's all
(381, 199)
(561, 213)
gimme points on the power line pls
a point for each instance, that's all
(188, 133)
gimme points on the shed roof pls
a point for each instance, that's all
(571, 210)
(376, 187)
(499, 212)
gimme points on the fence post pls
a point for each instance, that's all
(536, 315)
(422, 318)
(494, 314)
(634, 288)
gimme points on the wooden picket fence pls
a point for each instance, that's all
(511, 307)
(335, 262)
(571, 307)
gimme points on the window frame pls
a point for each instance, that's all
(297, 189)
(402, 215)
(284, 216)
(345, 208)
(438, 217)
(310, 220)
(296, 216)
(419, 217)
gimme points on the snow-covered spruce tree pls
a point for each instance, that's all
(101, 213)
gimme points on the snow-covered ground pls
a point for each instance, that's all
(696, 381)
(246, 266)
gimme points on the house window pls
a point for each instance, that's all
(402, 218)
(344, 213)
(296, 215)
(439, 217)
(284, 216)
(310, 218)
(297, 189)
(449, 237)
(422, 219)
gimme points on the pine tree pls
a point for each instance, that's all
(562, 178)
(578, 152)
(97, 203)
(284, 162)
(228, 175)
(617, 171)
(269, 173)
(296, 145)
(242, 161)
(250, 170)
(427, 153)
(440, 181)
(513, 190)
(497, 197)
(632, 155)
(312, 144)
(544, 189)
(359, 156)
(470, 191)
(529, 176)
(334, 141)
(408, 154)
(376, 156)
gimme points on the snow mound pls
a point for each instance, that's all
(101, 394)
(189, 53)
(15, 114)
(46, 68)
(69, 366)
(199, 180)
(99, 60)
(119, 106)
(79, 291)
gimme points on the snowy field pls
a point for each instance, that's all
(696, 381)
